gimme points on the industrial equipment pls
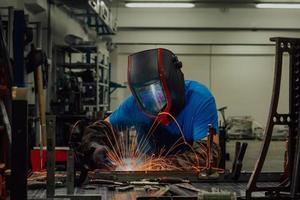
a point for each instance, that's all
(289, 188)
(192, 184)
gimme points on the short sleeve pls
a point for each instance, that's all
(205, 114)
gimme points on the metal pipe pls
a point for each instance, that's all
(51, 124)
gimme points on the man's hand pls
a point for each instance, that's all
(97, 140)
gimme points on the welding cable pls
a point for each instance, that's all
(182, 134)
(149, 134)
(73, 130)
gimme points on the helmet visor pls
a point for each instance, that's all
(151, 97)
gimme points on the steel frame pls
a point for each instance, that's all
(290, 187)
(50, 193)
(19, 147)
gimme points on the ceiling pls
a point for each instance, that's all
(206, 3)
(198, 3)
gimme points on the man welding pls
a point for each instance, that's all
(158, 91)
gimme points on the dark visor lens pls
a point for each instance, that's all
(151, 97)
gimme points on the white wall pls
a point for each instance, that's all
(209, 18)
(219, 49)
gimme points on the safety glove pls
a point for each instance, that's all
(97, 140)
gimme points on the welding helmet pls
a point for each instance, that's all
(157, 82)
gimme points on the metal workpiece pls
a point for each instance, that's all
(240, 151)
(51, 183)
(51, 125)
(79, 196)
(121, 176)
(290, 185)
(217, 195)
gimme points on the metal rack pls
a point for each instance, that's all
(92, 13)
(92, 66)
(289, 187)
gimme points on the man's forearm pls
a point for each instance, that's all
(97, 134)
(188, 159)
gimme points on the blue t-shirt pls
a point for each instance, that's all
(199, 111)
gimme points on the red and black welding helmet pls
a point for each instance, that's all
(157, 82)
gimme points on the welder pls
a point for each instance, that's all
(158, 87)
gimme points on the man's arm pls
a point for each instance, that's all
(205, 114)
(97, 139)
(101, 136)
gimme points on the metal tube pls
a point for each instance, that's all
(70, 172)
(51, 123)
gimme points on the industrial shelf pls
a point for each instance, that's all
(78, 48)
(79, 59)
(92, 13)
(83, 65)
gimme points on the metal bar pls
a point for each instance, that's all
(37, 122)
(49, 90)
(39, 34)
(97, 83)
(19, 148)
(222, 143)
(70, 172)
(295, 185)
(10, 25)
(18, 47)
(167, 198)
(137, 175)
(291, 46)
(237, 149)
(109, 86)
(51, 124)
(80, 197)
(270, 124)
(19, 30)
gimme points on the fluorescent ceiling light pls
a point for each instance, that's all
(159, 5)
(277, 5)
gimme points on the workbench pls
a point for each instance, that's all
(106, 194)
(104, 191)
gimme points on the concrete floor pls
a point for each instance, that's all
(274, 160)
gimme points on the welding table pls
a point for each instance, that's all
(222, 183)
(238, 188)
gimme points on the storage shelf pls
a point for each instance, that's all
(78, 48)
(94, 14)
(83, 66)
(77, 59)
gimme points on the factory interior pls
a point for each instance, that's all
(153, 99)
